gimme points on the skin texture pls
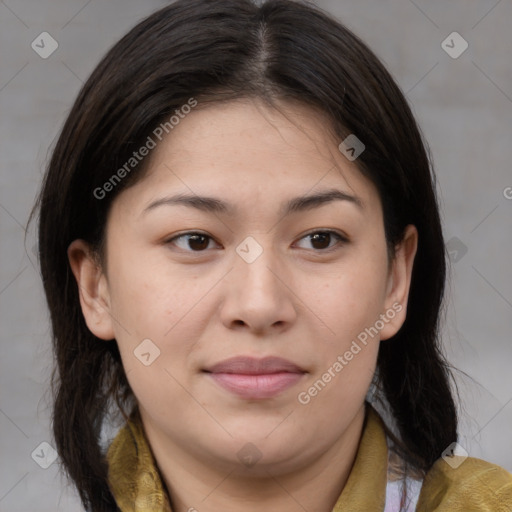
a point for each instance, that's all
(200, 303)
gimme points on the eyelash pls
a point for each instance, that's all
(341, 239)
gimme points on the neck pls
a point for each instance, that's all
(314, 485)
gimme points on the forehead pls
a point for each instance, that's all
(248, 131)
(245, 150)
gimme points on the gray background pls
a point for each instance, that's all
(463, 105)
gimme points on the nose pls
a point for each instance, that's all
(257, 292)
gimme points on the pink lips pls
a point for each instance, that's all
(253, 378)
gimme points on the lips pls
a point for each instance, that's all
(254, 366)
(256, 379)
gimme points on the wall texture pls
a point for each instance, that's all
(462, 98)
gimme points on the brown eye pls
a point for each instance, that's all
(198, 242)
(193, 242)
(322, 240)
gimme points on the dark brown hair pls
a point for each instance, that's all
(218, 50)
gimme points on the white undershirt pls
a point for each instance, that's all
(394, 495)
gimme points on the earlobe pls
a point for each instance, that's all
(399, 282)
(92, 289)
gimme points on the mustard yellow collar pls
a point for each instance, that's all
(473, 485)
(136, 482)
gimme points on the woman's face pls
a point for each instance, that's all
(258, 270)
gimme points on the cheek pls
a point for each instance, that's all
(333, 397)
(152, 301)
(347, 355)
(350, 304)
(352, 299)
(148, 297)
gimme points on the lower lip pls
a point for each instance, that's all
(256, 386)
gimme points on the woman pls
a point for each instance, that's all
(242, 253)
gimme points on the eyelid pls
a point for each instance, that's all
(342, 239)
(190, 233)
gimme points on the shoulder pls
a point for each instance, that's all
(466, 484)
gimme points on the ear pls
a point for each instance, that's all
(399, 281)
(93, 289)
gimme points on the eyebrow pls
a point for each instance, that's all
(215, 205)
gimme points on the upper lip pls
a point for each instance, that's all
(253, 366)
